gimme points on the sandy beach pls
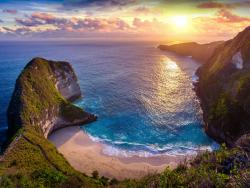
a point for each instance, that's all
(86, 155)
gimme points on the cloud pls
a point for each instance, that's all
(10, 11)
(20, 30)
(210, 5)
(213, 5)
(222, 26)
(37, 19)
(98, 3)
(226, 16)
(142, 9)
(151, 26)
(35, 24)
(1, 21)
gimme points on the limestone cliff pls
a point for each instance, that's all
(200, 52)
(42, 98)
(224, 87)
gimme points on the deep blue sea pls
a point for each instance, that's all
(143, 97)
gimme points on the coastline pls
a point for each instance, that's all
(85, 155)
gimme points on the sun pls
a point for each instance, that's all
(180, 21)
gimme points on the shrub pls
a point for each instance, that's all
(6, 182)
(95, 174)
(50, 176)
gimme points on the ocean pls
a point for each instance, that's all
(143, 97)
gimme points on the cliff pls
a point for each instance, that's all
(42, 98)
(41, 104)
(199, 52)
(224, 87)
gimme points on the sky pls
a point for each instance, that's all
(153, 20)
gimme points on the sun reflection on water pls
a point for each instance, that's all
(168, 85)
(171, 65)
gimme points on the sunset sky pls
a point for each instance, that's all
(158, 20)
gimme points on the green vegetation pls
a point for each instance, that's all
(223, 168)
(70, 112)
(33, 160)
(35, 92)
(224, 91)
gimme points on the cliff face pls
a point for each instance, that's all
(200, 52)
(66, 80)
(42, 96)
(224, 87)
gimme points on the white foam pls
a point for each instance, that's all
(195, 78)
(237, 60)
(114, 151)
(150, 150)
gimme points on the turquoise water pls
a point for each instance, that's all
(143, 97)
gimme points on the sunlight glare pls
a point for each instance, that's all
(180, 21)
(171, 65)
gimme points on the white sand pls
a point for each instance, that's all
(86, 156)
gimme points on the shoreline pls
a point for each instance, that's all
(86, 155)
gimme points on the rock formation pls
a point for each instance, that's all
(224, 87)
(42, 98)
(200, 52)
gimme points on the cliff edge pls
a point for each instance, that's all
(199, 52)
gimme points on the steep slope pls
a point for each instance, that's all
(41, 104)
(200, 52)
(224, 87)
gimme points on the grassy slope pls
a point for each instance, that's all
(33, 161)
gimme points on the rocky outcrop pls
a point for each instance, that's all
(244, 143)
(42, 96)
(199, 52)
(224, 85)
(66, 81)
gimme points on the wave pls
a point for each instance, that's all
(117, 148)
(195, 78)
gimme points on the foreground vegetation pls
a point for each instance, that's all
(222, 168)
(32, 161)
(42, 166)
